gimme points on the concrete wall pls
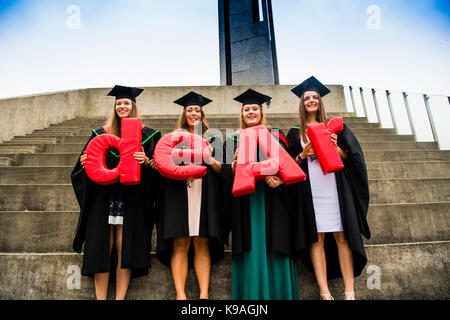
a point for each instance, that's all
(22, 115)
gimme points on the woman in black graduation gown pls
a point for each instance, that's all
(332, 204)
(116, 221)
(191, 221)
(261, 224)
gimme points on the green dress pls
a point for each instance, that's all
(258, 274)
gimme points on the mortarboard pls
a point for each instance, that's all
(311, 84)
(192, 99)
(253, 97)
(121, 92)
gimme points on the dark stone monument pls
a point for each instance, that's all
(247, 43)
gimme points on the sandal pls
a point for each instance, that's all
(349, 295)
(326, 296)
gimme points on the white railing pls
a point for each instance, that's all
(421, 115)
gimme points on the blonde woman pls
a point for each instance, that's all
(261, 224)
(331, 208)
(191, 227)
(116, 221)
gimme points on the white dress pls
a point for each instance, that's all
(194, 190)
(325, 198)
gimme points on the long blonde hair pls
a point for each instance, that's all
(113, 121)
(263, 121)
(182, 123)
(321, 116)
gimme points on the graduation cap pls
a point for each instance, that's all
(253, 97)
(311, 84)
(192, 99)
(121, 92)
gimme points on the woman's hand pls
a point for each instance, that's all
(141, 157)
(233, 165)
(274, 181)
(153, 164)
(334, 139)
(308, 151)
(209, 158)
(83, 159)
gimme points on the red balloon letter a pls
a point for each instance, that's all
(248, 170)
(129, 170)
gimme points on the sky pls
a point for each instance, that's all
(54, 45)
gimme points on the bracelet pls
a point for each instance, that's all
(300, 157)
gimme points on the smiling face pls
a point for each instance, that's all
(193, 115)
(311, 101)
(123, 108)
(251, 114)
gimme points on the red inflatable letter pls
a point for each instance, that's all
(128, 172)
(278, 162)
(320, 137)
(167, 156)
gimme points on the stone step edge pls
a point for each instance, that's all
(374, 163)
(371, 205)
(226, 251)
(69, 184)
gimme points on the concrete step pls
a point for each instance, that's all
(406, 155)
(70, 130)
(376, 170)
(412, 169)
(9, 149)
(377, 131)
(35, 175)
(7, 162)
(409, 222)
(44, 159)
(53, 231)
(56, 197)
(385, 191)
(69, 159)
(371, 145)
(84, 138)
(398, 146)
(348, 116)
(388, 275)
(31, 140)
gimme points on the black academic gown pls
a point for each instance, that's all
(279, 226)
(173, 219)
(139, 214)
(353, 193)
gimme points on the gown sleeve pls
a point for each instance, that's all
(356, 171)
(80, 184)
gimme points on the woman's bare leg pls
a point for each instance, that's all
(345, 261)
(101, 279)
(122, 275)
(179, 264)
(320, 264)
(202, 264)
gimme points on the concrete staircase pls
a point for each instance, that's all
(409, 217)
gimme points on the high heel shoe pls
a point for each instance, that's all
(349, 295)
(326, 296)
